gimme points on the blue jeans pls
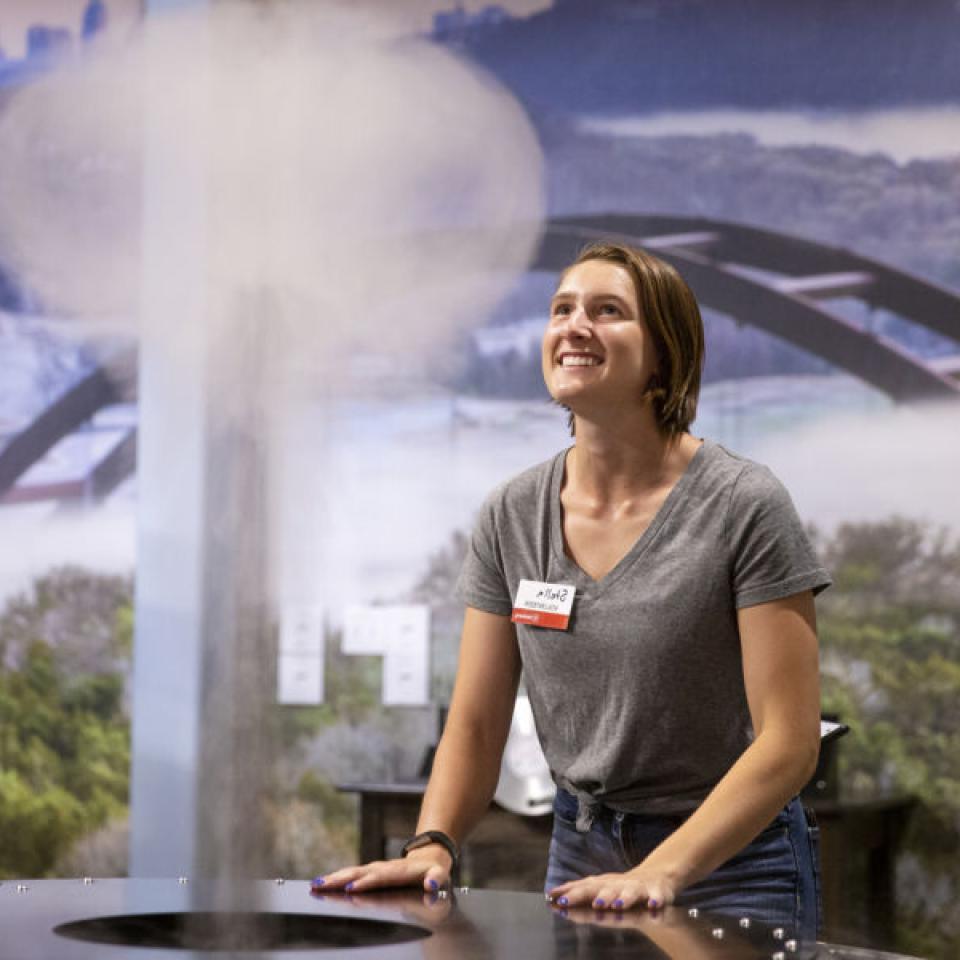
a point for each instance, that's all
(775, 879)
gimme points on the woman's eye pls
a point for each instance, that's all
(561, 309)
(609, 310)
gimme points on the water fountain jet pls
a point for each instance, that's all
(294, 160)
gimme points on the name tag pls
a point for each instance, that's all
(543, 604)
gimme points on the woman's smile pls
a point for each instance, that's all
(571, 359)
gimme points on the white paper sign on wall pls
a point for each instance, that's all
(401, 635)
(300, 659)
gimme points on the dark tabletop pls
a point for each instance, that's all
(459, 925)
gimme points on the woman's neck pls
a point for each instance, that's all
(615, 462)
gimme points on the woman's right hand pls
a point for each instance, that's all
(427, 867)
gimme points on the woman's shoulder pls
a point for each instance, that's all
(739, 483)
(728, 467)
(747, 487)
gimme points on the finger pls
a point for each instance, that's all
(584, 890)
(561, 892)
(339, 878)
(368, 876)
(629, 896)
(579, 894)
(436, 878)
(395, 873)
(604, 896)
(569, 894)
(561, 888)
(658, 896)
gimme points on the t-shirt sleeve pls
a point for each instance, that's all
(482, 583)
(771, 556)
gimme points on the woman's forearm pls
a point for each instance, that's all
(467, 763)
(465, 773)
(771, 771)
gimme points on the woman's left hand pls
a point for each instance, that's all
(617, 891)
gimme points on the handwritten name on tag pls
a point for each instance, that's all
(543, 604)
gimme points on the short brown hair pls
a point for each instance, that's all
(672, 316)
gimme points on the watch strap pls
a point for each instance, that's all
(433, 836)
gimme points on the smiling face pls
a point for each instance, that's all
(597, 349)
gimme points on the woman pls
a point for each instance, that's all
(679, 705)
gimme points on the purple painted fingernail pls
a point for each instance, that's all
(318, 881)
(433, 884)
(563, 901)
(653, 904)
(349, 886)
(618, 904)
(599, 902)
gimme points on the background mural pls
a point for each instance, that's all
(800, 164)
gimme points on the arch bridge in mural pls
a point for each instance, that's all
(777, 283)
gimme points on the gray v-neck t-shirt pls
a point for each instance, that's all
(640, 703)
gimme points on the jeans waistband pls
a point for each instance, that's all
(585, 809)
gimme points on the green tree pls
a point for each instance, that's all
(64, 728)
(890, 632)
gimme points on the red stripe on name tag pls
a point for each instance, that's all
(540, 618)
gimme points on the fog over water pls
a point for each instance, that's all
(854, 467)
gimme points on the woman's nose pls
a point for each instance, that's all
(578, 323)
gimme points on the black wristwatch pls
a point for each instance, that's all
(434, 836)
